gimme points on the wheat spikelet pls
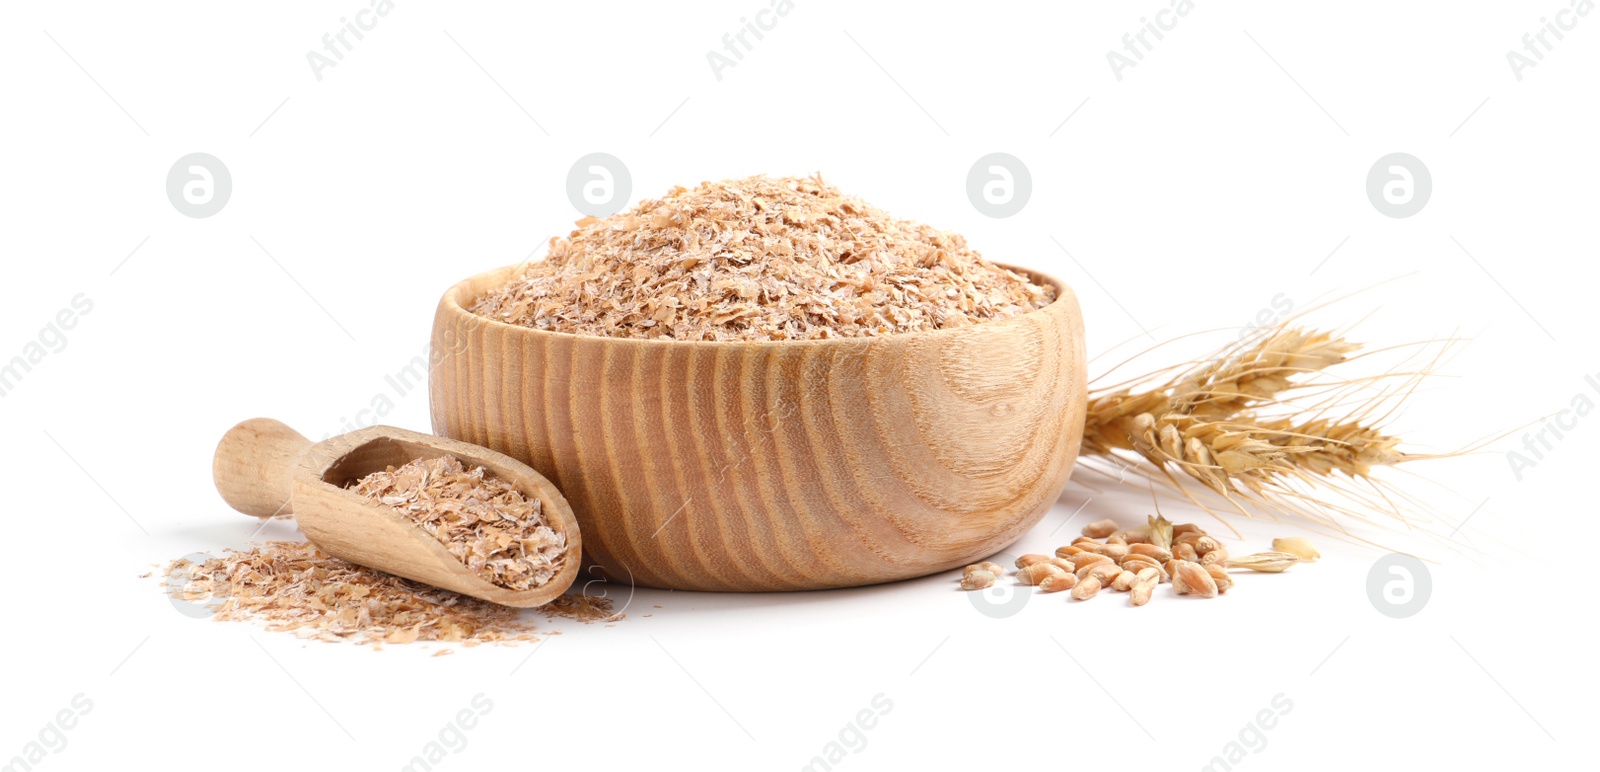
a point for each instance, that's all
(1330, 446)
(1235, 424)
(1253, 372)
(1257, 371)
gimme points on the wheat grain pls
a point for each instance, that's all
(1299, 546)
(1063, 564)
(1193, 579)
(1031, 559)
(1265, 562)
(1100, 529)
(1089, 558)
(1104, 572)
(1141, 592)
(1220, 576)
(1136, 562)
(1036, 573)
(977, 580)
(1159, 554)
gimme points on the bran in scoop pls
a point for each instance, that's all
(484, 521)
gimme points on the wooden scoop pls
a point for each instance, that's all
(265, 468)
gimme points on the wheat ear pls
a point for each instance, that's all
(1260, 422)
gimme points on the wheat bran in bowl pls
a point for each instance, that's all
(758, 259)
(765, 385)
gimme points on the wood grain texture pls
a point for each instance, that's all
(792, 465)
(263, 468)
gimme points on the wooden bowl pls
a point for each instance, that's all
(784, 465)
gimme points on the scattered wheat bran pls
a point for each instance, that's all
(758, 258)
(484, 521)
(293, 586)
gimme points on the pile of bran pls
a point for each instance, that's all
(758, 259)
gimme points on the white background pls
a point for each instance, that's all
(1218, 173)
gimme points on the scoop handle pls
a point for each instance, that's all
(254, 464)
